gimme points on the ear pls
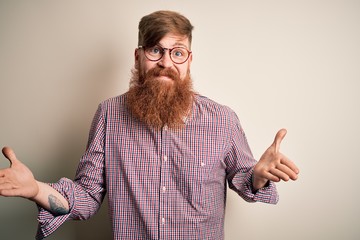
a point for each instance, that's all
(136, 57)
(190, 60)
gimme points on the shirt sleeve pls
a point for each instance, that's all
(86, 192)
(240, 167)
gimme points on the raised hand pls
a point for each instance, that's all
(273, 165)
(17, 180)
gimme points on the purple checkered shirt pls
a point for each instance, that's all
(161, 184)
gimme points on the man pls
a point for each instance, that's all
(161, 152)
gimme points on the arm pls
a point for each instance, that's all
(51, 200)
(240, 164)
(18, 181)
(65, 199)
(86, 192)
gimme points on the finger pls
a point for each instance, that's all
(271, 177)
(288, 172)
(290, 164)
(10, 155)
(279, 174)
(278, 138)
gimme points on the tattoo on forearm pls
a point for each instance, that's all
(56, 206)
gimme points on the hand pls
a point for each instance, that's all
(17, 180)
(273, 165)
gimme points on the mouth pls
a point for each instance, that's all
(162, 75)
(164, 78)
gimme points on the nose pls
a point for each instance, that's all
(165, 61)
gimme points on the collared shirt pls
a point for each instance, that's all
(161, 184)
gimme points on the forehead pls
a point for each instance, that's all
(173, 40)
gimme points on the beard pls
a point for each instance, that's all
(160, 103)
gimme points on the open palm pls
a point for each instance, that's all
(17, 180)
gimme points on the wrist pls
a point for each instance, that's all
(258, 182)
(36, 192)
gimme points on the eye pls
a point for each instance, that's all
(179, 52)
(155, 50)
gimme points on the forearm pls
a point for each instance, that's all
(50, 199)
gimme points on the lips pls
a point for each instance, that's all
(165, 78)
(164, 73)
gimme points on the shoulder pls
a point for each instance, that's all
(215, 117)
(114, 101)
(113, 106)
(209, 106)
(209, 111)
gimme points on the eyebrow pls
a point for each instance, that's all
(177, 44)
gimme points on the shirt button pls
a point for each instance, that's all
(165, 128)
(202, 164)
(164, 189)
(163, 220)
(165, 158)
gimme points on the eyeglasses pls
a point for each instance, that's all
(178, 55)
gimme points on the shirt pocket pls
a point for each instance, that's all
(192, 173)
(192, 169)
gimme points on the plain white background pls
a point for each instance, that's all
(292, 64)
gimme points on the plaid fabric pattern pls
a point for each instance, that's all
(161, 184)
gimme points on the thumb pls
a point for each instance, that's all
(278, 138)
(10, 155)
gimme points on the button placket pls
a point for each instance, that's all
(164, 180)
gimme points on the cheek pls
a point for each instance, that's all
(143, 64)
(183, 71)
(147, 65)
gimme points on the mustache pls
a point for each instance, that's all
(159, 72)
